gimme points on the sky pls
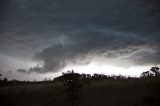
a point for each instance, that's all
(41, 38)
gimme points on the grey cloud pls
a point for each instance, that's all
(22, 70)
(43, 20)
(146, 57)
(76, 31)
(152, 8)
(44, 16)
(84, 46)
(36, 69)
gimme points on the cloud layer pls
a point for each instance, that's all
(60, 33)
(84, 47)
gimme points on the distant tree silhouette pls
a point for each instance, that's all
(72, 84)
(99, 77)
(155, 70)
(5, 79)
(146, 74)
(0, 76)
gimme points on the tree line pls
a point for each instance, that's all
(153, 72)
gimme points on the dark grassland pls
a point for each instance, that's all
(108, 92)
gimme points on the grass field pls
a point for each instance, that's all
(122, 92)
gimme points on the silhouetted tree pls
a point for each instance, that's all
(72, 84)
(0, 76)
(146, 74)
(5, 79)
(155, 70)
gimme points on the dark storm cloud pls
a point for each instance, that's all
(83, 46)
(22, 70)
(146, 58)
(60, 32)
(36, 69)
(151, 7)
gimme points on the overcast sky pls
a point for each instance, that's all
(40, 38)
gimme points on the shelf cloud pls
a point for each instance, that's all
(61, 33)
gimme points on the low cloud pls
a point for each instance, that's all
(22, 70)
(83, 47)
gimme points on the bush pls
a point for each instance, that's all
(72, 85)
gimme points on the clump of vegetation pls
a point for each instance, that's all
(154, 72)
(72, 84)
